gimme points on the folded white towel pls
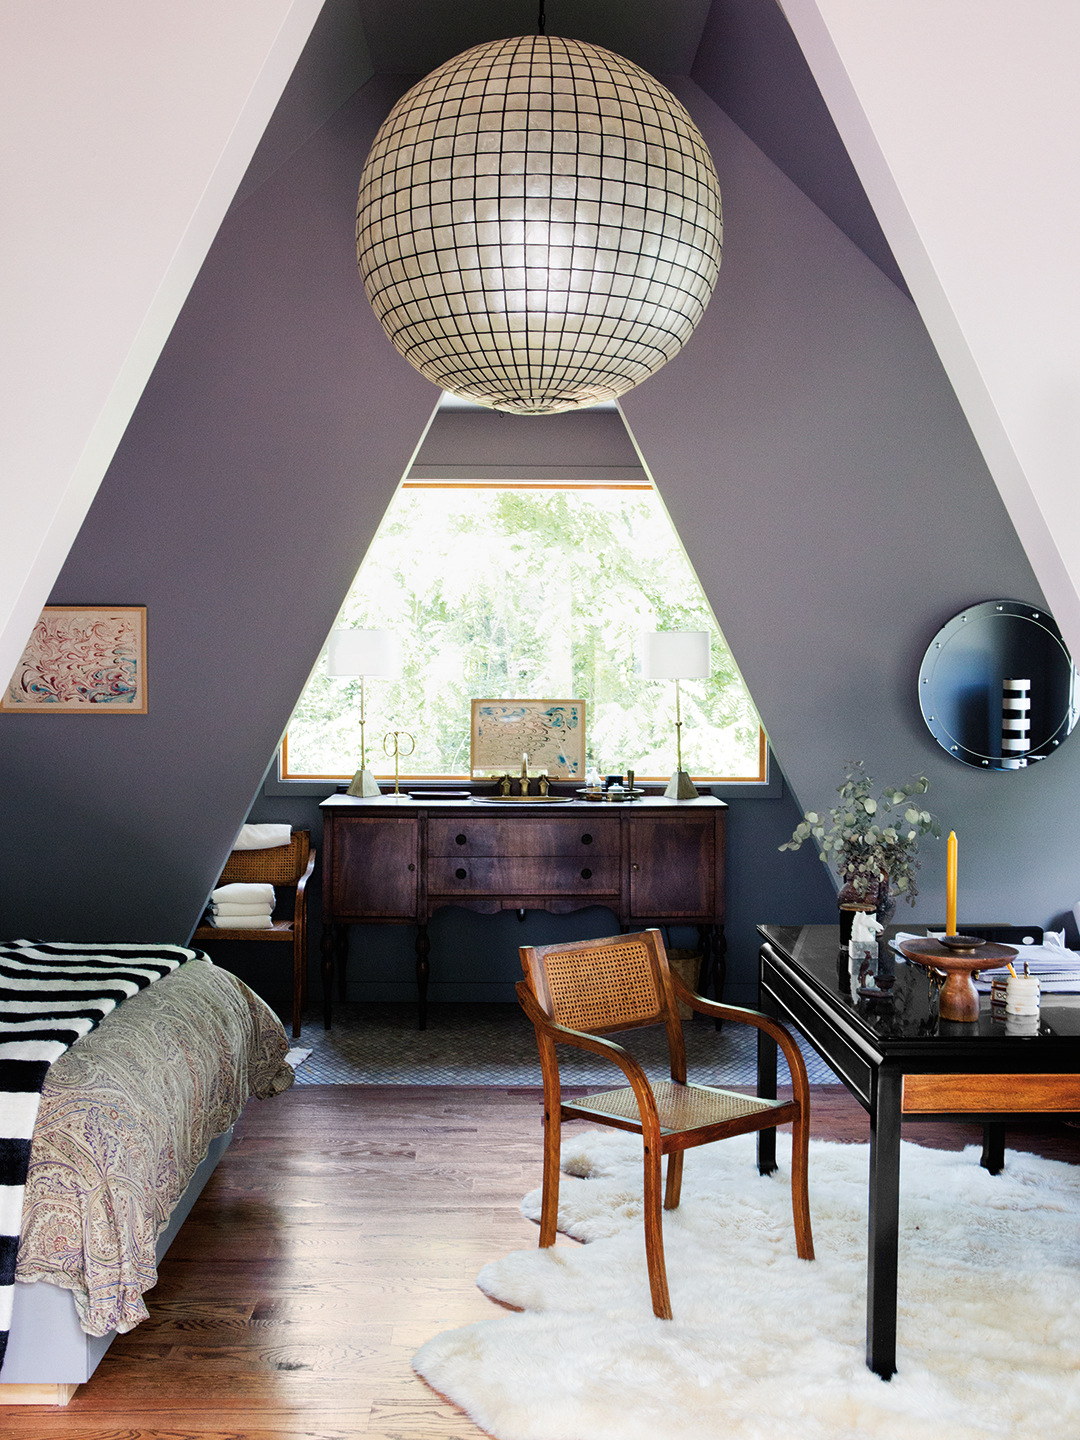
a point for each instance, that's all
(240, 894)
(262, 837)
(242, 922)
(221, 908)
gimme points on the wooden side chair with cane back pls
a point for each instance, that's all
(281, 866)
(578, 992)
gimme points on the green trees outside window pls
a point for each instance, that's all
(528, 593)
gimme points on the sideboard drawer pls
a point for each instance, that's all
(450, 875)
(518, 834)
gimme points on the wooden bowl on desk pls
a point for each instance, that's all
(959, 1000)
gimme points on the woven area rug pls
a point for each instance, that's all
(765, 1346)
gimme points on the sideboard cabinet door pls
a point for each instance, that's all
(674, 872)
(376, 868)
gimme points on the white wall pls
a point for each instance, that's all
(128, 125)
(963, 120)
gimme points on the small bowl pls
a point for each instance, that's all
(960, 942)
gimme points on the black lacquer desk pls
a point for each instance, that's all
(902, 1063)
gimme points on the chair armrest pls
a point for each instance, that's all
(562, 1035)
(792, 1053)
(298, 905)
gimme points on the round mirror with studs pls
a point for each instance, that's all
(998, 688)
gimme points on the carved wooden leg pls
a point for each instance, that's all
(713, 963)
(423, 972)
(327, 946)
(342, 957)
(719, 944)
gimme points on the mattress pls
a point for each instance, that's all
(126, 1117)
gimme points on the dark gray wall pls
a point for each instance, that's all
(806, 442)
(838, 511)
(251, 478)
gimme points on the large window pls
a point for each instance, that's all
(527, 591)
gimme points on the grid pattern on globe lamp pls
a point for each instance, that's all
(539, 225)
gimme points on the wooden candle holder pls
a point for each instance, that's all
(959, 1000)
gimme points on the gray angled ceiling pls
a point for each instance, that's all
(741, 52)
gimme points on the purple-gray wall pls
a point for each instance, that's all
(838, 511)
(806, 442)
(252, 476)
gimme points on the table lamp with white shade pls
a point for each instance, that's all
(363, 653)
(677, 655)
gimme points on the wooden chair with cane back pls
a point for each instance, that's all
(281, 866)
(576, 993)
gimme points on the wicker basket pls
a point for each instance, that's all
(280, 865)
(686, 964)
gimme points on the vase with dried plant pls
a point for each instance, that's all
(872, 842)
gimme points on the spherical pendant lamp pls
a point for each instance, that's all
(539, 225)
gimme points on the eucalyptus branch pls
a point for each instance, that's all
(869, 840)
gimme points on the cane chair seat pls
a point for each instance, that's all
(678, 1107)
(579, 992)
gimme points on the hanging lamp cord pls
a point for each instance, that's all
(541, 20)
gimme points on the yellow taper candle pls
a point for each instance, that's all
(950, 886)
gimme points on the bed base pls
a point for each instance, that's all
(49, 1355)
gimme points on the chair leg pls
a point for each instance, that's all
(549, 1205)
(654, 1235)
(299, 960)
(673, 1189)
(800, 1199)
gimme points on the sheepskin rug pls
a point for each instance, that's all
(765, 1346)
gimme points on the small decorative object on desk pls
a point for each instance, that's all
(1022, 995)
(998, 996)
(873, 842)
(863, 944)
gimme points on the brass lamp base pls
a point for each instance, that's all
(681, 787)
(364, 784)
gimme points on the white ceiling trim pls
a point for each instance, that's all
(963, 120)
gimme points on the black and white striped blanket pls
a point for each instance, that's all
(50, 996)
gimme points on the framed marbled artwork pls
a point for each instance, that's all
(550, 732)
(82, 660)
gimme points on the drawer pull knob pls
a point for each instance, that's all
(586, 839)
(412, 867)
(586, 874)
(462, 839)
(635, 867)
(461, 874)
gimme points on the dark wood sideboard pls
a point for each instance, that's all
(395, 861)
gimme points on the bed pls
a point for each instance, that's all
(133, 1119)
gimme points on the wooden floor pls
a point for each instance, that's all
(343, 1228)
